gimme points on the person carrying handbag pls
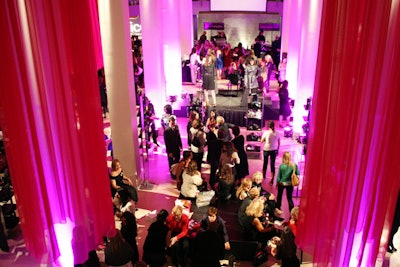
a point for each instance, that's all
(284, 179)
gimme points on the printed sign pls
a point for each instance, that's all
(213, 25)
(269, 26)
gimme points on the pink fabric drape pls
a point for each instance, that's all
(53, 127)
(94, 16)
(352, 163)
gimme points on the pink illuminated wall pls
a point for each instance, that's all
(53, 128)
(308, 51)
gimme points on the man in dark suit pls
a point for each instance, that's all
(173, 142)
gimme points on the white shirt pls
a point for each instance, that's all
(194, 58)
(129, 206)
(271, 140)
(190, 183)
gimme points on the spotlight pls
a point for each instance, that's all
(288, 131)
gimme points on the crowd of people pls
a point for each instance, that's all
(259, 211)
(215, 59)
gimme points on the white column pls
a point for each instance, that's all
(310, 28)
(171, 47)
(154, 77)
(161, 51)
(116, 42)
(186, 26)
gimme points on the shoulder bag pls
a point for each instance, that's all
(295, 178)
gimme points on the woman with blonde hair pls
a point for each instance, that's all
(209, 74)
(294, 217)
(269, 198)
(256, 226)
(177, 240)
(221, 125)
(243, 190)
(284, 179)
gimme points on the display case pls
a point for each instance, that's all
(254, 126)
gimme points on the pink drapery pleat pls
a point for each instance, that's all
(94, 16)
(52, 124)
(351, 175)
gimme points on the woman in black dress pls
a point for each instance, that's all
(242, 169)
(119, 181)
(284, 108)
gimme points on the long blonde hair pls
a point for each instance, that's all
(286, 158)
(255, 208)
(245, 183)
(210, 58)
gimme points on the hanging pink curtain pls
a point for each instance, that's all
(352, 162)
(52, 125)
(94, 19)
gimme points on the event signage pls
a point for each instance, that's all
(269, 26)
(213, 25)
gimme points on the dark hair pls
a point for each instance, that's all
(221, 134)
(285, 84)
(271, 125)
(197, 124)
(186, 154)
(235, 130)
(288, 246)
(215, 113)
(168, 109)
(193, 115)
(212, 211)
(193, 51)
(114, 164)
(162, 215)
(130, 220)
(228, 148)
